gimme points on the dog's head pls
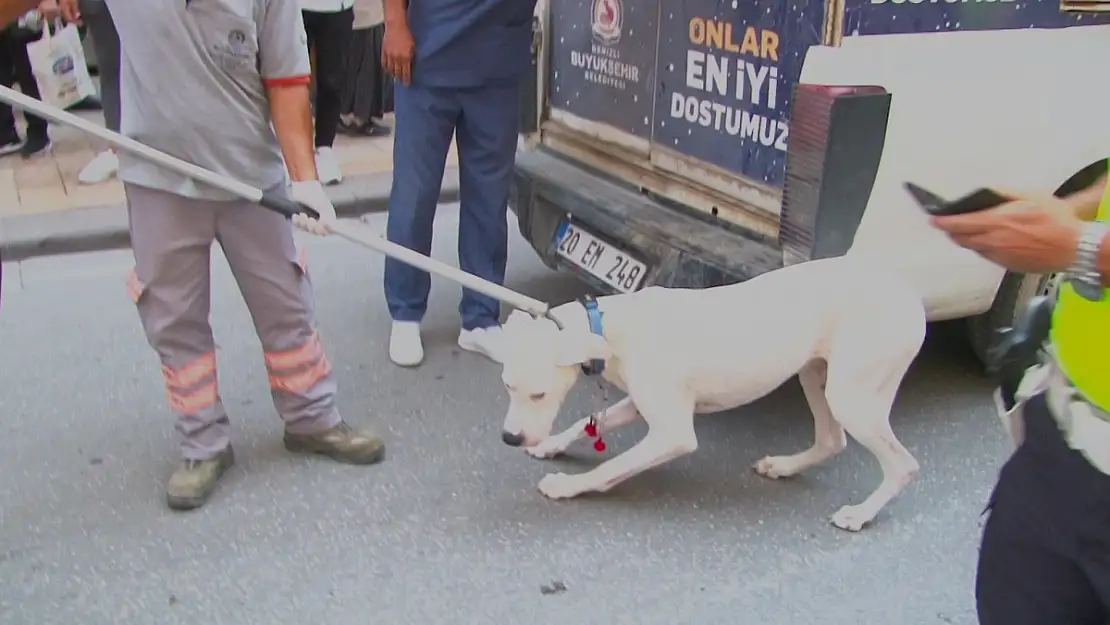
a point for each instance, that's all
(541, 364)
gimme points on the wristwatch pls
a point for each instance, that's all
(1084, 274)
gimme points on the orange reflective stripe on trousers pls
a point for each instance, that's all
(310, 351)
(192, 372)
(298, 369)
(193, 401)
(182, 392)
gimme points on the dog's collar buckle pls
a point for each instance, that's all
(593, 314)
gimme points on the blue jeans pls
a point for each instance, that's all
(485, 122)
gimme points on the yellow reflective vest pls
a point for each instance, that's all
(1081, 335)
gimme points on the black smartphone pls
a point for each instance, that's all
(978, 200)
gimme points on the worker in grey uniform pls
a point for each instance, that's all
(204, 80)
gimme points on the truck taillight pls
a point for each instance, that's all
(836, 140)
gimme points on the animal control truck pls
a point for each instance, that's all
(694, 143)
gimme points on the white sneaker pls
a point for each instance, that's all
(405, 347)
(102, 167)
(327, 166)
(485, 341)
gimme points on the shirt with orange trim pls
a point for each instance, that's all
(193, 78)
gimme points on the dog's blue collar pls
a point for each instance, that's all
(594, 314)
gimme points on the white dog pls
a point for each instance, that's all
(849, 331)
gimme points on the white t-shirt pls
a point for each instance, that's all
(326, 6)
(368, 13)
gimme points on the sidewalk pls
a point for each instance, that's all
(44, 210)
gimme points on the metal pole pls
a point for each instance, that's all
(349, 231)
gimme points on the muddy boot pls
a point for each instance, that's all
(194, 480)
(341, 443)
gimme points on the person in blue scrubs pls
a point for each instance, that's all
(459, 66)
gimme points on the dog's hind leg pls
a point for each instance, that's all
(828, 435)
(612, 418)
(861, 400)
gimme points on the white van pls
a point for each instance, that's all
(693, 143)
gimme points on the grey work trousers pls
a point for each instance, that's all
(97, 18)
(171, 285)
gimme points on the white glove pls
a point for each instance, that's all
(311, 194)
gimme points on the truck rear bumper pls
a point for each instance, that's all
(680, 250)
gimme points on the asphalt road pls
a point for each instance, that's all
(450, 529)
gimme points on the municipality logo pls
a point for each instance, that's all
(236, 39)
(606, 21)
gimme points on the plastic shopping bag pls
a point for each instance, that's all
(58, 62)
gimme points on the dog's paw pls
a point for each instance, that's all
(548, 448)
(851, 518)
(559, 486)
(775, 467)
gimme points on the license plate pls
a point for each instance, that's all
(607, 263)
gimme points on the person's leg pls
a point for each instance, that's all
(1095, 554)
(311, 30)
(486, 139)
(1030, 562)
(273, 279)
(38, 138)
(425, 122)
(106, 41)
(98, 19)
(9, 136)
(308, 18)
(171, 237)
(362, 93)
(333, 44)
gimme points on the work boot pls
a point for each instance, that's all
(194, 480)
(341, 443)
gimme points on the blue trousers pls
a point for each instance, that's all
(485, 123)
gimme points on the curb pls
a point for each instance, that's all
(105, 227)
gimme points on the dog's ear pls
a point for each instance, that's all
(578, 347)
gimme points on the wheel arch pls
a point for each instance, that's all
(1016, 289)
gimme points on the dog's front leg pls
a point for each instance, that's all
(615, 417)
(652, 451)
(671, 435)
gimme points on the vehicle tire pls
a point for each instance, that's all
(1017, 289)
(1013, 296)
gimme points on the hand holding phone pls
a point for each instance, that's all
(979, 200)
